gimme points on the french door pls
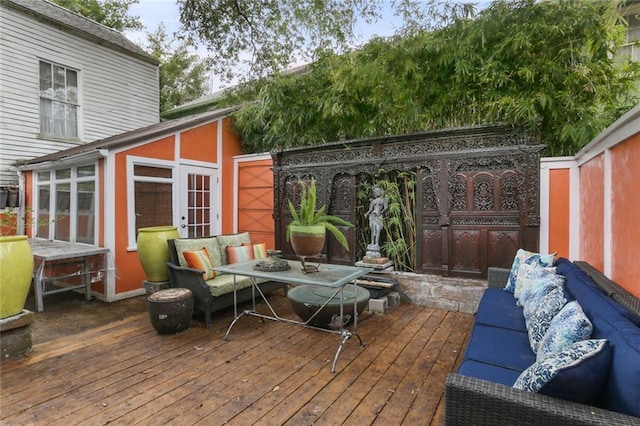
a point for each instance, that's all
(199, 209)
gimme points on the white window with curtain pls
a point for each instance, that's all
(150, 194)
(58, 101)
(66, 204)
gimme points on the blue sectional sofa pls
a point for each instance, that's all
(499, 350)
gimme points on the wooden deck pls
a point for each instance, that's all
(267, 373)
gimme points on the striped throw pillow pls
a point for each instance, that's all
(199, 259)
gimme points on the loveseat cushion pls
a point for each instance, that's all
(576, 373)
(622, 389)
(498, 308)
(192, 244)
(223, 284)
(501, 347)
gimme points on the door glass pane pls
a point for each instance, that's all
(198, 209)
(42, 229)
(63, 207)
(86, 213)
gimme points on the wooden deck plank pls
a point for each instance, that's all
(375, 401)
(123, 372)
(344, 397)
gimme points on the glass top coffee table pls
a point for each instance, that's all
(331, 278)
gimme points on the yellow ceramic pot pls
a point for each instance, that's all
(153, 251)
(16, 271)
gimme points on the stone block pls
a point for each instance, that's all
(155, 286)
(393, 298)
(378, 306)
(15, 334)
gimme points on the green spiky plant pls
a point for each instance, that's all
(309, 216)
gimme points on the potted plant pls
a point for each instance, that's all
(308, 229)
(16, 265)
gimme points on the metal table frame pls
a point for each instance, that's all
(328, 276)
(46, 251)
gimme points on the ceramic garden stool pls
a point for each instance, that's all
(306, 299)
(170, 310)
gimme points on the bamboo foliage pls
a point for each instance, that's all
(399, 231)
(548, 64)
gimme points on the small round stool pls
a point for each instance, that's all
(170, 310)
(307, 299)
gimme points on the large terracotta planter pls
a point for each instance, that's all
(307, 241)
(153, 251)
(16, 271)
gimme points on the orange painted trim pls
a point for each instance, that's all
(559, 218)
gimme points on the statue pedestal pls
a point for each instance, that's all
(382, 264)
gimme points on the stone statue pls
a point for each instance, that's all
(377, 207)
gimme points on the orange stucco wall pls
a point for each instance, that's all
(559, 197)
(231, 147)
(255, 201)
(592, 212)
(200, 143)
(625, 214)
(129, 273)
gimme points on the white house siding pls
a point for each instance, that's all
(118, 92)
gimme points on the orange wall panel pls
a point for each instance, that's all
(255, 201)
(559, 220)
(129, 274)
(231, 146)
(625, 214)
(200, 143)
(592, 212)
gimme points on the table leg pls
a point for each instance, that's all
(86, 279)
(38, 282)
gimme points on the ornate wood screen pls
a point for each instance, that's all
(477, 192)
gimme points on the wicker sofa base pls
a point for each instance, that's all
(474, 401)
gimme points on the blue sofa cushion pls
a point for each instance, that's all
(486, 340)
(592, 298)
(576, 373)
(491, 373)
(498, 308)
(622, 389)
(570, 325)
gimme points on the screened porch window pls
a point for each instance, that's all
(153, 188)
(58, 101)
(65, 204)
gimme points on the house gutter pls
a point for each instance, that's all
(85, 157)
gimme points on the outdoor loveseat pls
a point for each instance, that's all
(215, 293)
(607, 384)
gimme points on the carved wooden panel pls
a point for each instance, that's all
(476, 192)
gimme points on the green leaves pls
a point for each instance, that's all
(549, 64)
(307, 215)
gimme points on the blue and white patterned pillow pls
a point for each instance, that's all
(535, 281)
(577, 373)
(540, 311)
(570, 325)
(524, 256)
